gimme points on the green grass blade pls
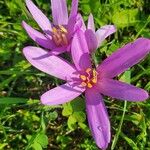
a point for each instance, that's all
(119, 128)
(11, 100)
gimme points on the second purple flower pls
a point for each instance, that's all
(56, 36)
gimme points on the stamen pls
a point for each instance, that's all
(94, 80)
(59, 41)
(55, 39)
(62, 29)
(83, 77)
(60, 35)
(89, 85)
(64, 38)
(89, 79)
(83, 84)
(54, 30)
(94, 73)
(88, 70)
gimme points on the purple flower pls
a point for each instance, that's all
(56, 36)
(95, 82)
(94, 39)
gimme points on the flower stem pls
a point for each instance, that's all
(116, 137)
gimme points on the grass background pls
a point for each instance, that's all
(26, 124)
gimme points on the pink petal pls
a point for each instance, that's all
(59, 50)
(73, 25)
(104, 32)
(49, 64)
(59, 12)
(124, 58)
(39, 17)
(121, 90)
(74, 8)
(38, 37)
(79, 51)
(91, 40)
(79, 17)
(91, 23)
(61, 94)
(98, 118)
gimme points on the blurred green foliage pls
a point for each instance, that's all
(26, 124)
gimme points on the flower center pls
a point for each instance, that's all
(89, 78)
(60, 35)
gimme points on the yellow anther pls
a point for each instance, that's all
(89, 79)
(94, 80)
(54, 30)
(83, 84)
(83, 77)
(62, 29)
(88, 70)
(89, 85)
(94, 73)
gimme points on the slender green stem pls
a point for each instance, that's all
(3, 129)
(119, 128)
(147, 22)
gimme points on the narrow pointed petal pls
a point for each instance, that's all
(39, 17)
(59, 12)
(79, 17)
(49, 64)
(104, 32)
(121, 90)
(38, 37)
(80, 52)
(61, 94)
(74, 8)
(75, 23)
(73, 26)
(91, 23)
(98, 118)
(91, 40)
(124, 58)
